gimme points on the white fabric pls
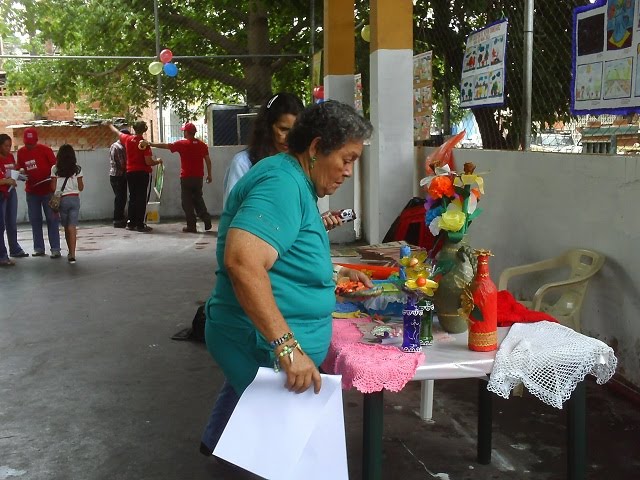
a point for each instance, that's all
(240, 164)
(72, 184)
(550, 360)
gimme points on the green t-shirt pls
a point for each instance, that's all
(276, 202)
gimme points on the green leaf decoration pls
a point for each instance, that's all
(463, 192)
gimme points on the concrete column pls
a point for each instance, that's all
(339, 65)
(389, 169)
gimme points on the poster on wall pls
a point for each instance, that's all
(422, 96)
(483, 67)
(606, 51)
(357, 93)
(317, 68)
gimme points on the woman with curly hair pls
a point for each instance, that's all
(274, 291)
(66, 176)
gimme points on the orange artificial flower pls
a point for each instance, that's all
(441, 187)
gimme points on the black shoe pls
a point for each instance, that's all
(204, 450)
(20, 255)
(37, 254)
(119, 224)
(189, 230)
(144, 229)
(207, 224)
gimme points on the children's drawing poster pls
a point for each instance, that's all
(422, 95)
(606, 55)
(483, 66)
(357, 93)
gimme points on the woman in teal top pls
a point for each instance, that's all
(274, 290)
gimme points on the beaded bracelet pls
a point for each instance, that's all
(287, 350)
(281, 340)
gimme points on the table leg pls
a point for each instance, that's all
(485, 420)
(372, 436)
(426, 399)
(577, 433)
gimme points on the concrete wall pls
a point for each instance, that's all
(536, 206)
(97, 199)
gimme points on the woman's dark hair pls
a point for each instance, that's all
(261, 140)
(334, 122)
(66, 164)
(4, 137)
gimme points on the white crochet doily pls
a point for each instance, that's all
(550, 360)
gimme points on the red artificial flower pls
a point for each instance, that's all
(441, 186)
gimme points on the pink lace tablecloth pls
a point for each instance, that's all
(368, 368)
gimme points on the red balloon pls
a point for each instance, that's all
(166, 55)
(318, 92)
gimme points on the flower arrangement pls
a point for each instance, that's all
(417, 272)
(452, 202)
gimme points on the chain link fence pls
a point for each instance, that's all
(443, 26)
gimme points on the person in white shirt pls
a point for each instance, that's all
(268, 136)
(66, 176)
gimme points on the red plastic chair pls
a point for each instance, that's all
(410, 222)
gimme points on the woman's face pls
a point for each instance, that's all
(280, 131)
(329, 171)
(5, 148)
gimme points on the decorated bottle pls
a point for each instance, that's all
(426, 322)
(483, 326)
(411, 317)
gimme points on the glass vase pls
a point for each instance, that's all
(411, 317)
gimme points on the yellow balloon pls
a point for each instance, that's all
(155, 68)
(365, 33)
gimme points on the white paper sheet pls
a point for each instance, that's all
(282, 435)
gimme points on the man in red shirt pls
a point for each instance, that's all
(139, 163)
(36, 160)
(194, 154)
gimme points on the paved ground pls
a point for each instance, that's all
(92, 387)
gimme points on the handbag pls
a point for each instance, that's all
(54, 201)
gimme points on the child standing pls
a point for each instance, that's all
(66, 176)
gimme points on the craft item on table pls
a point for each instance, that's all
(381, 333)
(451, 205)
(375, 272)
(426, 322)
(346, 310)
(368, 368)
(479, 306)
(405, 251)
(510, 311)
(550, 360)
(411, 317)
(389, 303)
(348, 288)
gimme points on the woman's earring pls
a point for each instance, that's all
(313, 162)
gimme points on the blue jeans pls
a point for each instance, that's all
(11, 222)
(222, 410)
(3, 209)
(36, 204)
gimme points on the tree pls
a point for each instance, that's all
(126, 28)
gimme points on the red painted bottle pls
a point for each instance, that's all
(483, 329)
